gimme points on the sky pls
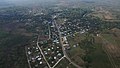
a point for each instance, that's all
(23, 2)
(35, 2)
(27, 1)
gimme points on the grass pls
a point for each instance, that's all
(100, 58)
(64, 64)
(112, 39)
(75, 53)
(75, 40)
(115, 41)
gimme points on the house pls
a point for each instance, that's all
(41, 62)
(29, 52)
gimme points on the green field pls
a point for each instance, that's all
(65, 64)
(75, 53)
(99, 58)
(96, 58)
(112, 39)
(115, 42)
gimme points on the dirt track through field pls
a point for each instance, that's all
(112, 51)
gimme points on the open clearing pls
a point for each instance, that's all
(112, 46)
(98, 56)
(64, 63)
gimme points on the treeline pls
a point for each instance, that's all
(74, 13)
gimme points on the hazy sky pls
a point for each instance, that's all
(34, 2)
(28, 1)
(23, 2)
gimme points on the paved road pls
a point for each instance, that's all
(49, 31)
(58, 62)
(27, 58)
(44, 56)
(42, 53)
(64, 52)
